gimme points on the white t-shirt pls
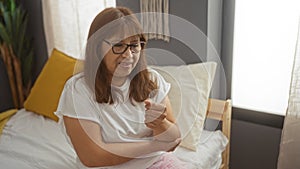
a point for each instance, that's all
(119, 122)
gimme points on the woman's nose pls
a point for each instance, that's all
(127, 53)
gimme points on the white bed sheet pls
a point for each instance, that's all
(31, 141)
(209, 151)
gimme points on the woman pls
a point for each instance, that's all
(116, 114)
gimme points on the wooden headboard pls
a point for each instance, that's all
(221, 110)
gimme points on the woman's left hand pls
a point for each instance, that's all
(155, 114)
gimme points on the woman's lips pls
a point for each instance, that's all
(125, 64)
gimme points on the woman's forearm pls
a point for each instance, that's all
(167, 131)
(109, 154)
(93, 152)
(137, 149)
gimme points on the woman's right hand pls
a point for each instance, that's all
(155, 114)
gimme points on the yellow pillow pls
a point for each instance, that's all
(44, 95)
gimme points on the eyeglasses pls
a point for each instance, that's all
(120, 48)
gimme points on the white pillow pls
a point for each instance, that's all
(190, 88)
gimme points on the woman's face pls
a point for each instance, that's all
(122, 56)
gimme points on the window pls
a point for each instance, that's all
(67, 23)
(265, 34)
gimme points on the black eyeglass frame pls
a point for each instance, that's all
(142, 43)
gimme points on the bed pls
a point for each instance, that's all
(31, 137)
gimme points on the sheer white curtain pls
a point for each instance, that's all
(289, 155)
(156, 21)
(66, 23)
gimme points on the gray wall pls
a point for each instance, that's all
(207, 17)
(254, 144)
(191, 8)
(227, 41)
(36, 31)
(6, 101)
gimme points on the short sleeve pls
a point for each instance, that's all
(76, 101)
(163, 86)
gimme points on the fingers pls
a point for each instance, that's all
(154, 123)
(154, 106)
(151, 125)
(154, 118)
(152, 115)
(147, 104)
(155, 114)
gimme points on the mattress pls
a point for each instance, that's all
(31, 141)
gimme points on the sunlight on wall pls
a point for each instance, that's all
(265, 36)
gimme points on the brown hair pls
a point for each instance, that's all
(108, 23)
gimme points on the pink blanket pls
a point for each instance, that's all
(168, 161)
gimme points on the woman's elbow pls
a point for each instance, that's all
(91, 163)
(88, 162)
(102, 162)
